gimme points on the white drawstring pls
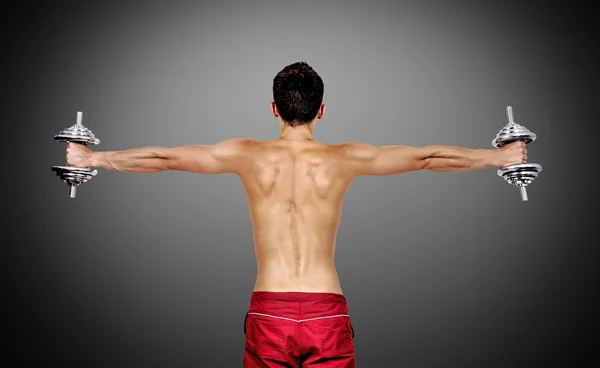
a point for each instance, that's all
(299, 320)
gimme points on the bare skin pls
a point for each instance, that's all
(295, 188)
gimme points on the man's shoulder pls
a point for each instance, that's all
(240, 144)
(357, 150)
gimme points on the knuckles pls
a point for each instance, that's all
(516, 152)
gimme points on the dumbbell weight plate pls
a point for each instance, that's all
(83, 139)
(74, 176)
(78, 134)
(520, 174)
(513, 133)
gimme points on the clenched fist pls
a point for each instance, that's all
(513, 153)
(78, 155)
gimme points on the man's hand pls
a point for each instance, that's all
(514, 153)
(78, 155)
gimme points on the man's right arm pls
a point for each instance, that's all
(224, 157)
(365, 159)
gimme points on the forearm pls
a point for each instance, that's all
(137, 160)
(455, 159)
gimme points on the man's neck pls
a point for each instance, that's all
(296, 133)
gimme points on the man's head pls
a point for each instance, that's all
(298, 95)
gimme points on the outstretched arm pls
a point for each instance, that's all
(223, 157)
(365, 159)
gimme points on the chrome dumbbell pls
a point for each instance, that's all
(75, 176)
(520, 175)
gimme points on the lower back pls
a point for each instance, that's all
(274, 277)
(295, 252)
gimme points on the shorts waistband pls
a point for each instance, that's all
(294, 296)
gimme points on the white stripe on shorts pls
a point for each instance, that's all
(298, 320)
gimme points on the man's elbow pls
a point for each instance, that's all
(429, 164)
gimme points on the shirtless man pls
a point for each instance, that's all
(298, 316)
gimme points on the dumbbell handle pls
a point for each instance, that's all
(79, 118)
(509, 115)
(524, 197)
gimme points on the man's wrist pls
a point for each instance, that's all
(489, 157)
(95, 159)
(494, 157)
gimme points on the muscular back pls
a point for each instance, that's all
(295, 192)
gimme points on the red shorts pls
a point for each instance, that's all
(292, 329)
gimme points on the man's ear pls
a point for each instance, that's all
(274, 110)
(321, 111)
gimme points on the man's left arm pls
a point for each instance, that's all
(364, 159)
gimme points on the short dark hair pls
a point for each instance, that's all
(298, 93)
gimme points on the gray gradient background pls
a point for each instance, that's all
(440, 270)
